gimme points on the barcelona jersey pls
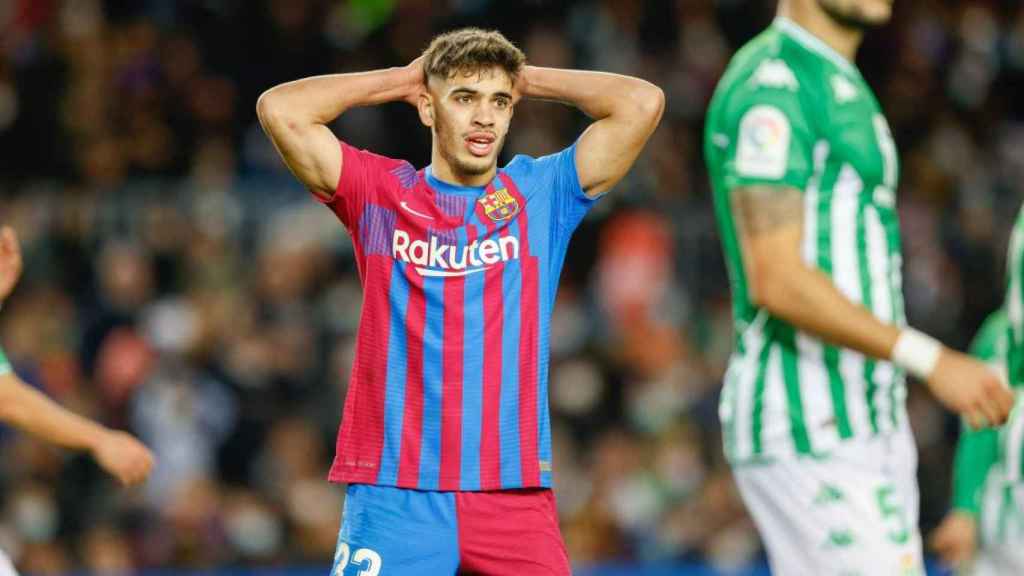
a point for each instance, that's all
(449, 385)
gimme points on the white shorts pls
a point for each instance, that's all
(1001, 527)
(6, 568)
(852, 513)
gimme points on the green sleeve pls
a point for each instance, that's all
(768, 132)
(5, 365)
(978, 450)
(975, 454)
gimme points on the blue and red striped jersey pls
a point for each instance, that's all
(449, 385)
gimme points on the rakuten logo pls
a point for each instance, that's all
(434, 258)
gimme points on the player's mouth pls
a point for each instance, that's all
(480, 144)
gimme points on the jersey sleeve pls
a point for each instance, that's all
(1014, 304)
(364, 177)
(568, 201)
(5, 364)
(768, 132)
(978, 450)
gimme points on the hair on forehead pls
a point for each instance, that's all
(470, 51)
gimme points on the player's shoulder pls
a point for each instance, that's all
(525, 167)
(770, 69)
(380, 167)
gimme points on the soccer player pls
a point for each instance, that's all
(988, 505)
(804, 171)
(445, 440)
(22, 407)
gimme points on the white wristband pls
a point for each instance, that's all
(916, 352)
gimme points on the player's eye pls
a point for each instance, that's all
(502, 103)
(463, 98)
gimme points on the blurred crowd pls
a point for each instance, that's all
(181, 285)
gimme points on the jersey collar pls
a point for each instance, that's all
(813, 43)
(449, 188)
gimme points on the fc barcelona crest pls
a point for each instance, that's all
(500, 205)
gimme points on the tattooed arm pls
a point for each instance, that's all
(770, 227)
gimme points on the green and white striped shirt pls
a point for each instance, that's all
(1011, 435)
(792, 112)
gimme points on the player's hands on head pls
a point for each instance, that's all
(123, 457)
(417, 81)
(972, 389)
(10, 261)
(522, 86)
(956, 539)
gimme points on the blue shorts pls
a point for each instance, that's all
(389, 531)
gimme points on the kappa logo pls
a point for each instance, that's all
(500, 205)
(829, 494)
(840, 539)
(843, 89)
(774, 73)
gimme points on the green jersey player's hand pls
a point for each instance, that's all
(956, 540)
(10, 261)
(123, 457)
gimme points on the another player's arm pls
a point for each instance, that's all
(956, 538)
(626, 110)
(295, 117)
(26, 409)
(770, 226)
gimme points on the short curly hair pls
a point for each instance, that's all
(471, 50)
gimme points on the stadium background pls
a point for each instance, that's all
(179, 283)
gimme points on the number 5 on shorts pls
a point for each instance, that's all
(892, 513)
(365, 558)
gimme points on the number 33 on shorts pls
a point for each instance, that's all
(363, 562)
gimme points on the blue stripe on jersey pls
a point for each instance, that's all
(508, 418)
(433, 384)
(547, 283)
(472, 373)
(394, 387)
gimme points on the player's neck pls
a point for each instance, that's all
(445, 172)
(812, 18)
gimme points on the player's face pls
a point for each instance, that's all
(858, 13)
(470, 115)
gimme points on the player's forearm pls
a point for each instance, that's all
(808, 299)
(597, 94)
(28, 410)
(975, 454)
(321, 99)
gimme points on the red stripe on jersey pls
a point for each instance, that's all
(412, 421)
(529, 298)
(494, 326)
(453, 358)
(361, 441)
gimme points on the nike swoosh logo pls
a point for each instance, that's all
(405, 207)
(448, 273)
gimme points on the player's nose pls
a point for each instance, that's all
(483, 117)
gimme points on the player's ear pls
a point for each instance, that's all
(425, 107)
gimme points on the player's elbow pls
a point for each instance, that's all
(648, 103)
(653, 103)
(269, 109)
(771, 282)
